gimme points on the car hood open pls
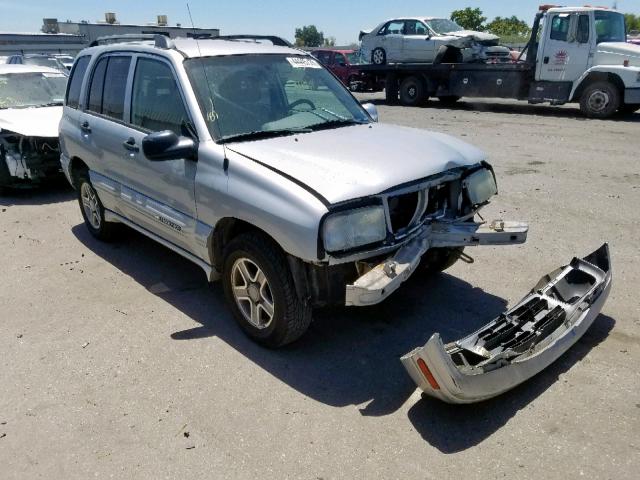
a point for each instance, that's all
(357, 161)
(31, 122)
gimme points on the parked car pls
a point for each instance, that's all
(37, 60)
(295, 198)
(344, 65)
(30, 111)
(429, 40)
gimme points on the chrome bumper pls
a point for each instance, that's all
(519, 343)
(384, 279)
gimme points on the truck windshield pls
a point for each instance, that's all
(443, 25)
(610, 27)
(19, 90)
(256, 96)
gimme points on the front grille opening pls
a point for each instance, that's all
(402, 209)
(438, 197)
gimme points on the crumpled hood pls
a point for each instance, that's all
(478, 36)
(31, 122)
(615, 53)
(357, 161)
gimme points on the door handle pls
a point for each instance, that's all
(546, 60)
(85, 127)
(130, 145)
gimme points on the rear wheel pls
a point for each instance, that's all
(259, 289)
(412, 91)
(439, 259)
(600, 100)
(93, 211)
(353, 84)
(379, 56)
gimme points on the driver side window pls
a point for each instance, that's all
(560, 27)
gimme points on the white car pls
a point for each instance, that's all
(429, 40)
(30, 110)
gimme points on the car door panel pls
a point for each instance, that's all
(418, 45)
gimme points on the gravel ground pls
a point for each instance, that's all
(118, 360)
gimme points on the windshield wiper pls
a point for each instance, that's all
(335, 124)
(261, 134)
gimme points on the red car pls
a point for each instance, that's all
(344, 65)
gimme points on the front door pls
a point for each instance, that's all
(417, 43)
(566, 53)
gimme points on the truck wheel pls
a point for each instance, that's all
(600, 100)
(93, 211)
(449, 99)
(378, 56)
(439, 259)
(259, 288)
(412, 92)
(353, 84)
(629, 108)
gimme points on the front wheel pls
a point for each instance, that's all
(93, 211)
(600, 100)
(259, 289)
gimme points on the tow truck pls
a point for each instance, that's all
(574, 54)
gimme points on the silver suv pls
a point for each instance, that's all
(256, 163)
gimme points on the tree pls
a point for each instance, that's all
(330, 41)
(633, 22)
(469, 18)
(309, 36)
(509, 27)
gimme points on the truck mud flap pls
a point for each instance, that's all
(519, 343)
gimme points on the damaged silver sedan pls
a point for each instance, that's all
(30, 111)
(520, 342)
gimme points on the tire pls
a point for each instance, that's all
(629, 108)
(600, 100)
(449, 99)
(379, 56)
(412, 92)
(439, 259)
(272, 314)
(93, 211)
(353, 86)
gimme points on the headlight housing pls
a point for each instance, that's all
(480, 186)
(354, 228)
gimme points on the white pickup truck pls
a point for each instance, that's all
(575, 54)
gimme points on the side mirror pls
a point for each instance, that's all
(372, 110)
(166, 145)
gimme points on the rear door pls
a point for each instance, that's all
(417, 43)
(390, 39)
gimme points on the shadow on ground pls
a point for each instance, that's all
(349, 356)
(54, 191)
(520, 108)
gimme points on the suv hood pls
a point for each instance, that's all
(32, 122)
(615, 53)
(356, 161)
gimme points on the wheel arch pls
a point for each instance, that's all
(596, 76)
(76, 166)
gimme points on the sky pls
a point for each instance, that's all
(342, 19)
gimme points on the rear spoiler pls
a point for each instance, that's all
(362, 34)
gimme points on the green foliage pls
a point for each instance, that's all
(513, 26)
(330, 42)
(309, 36)
(469, 18)
(633, 22)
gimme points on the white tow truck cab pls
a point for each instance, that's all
(575, 54)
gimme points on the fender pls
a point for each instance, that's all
(630, 76)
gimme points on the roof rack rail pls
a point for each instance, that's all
(277, 41)
(125, 38)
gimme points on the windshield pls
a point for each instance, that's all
(443, 25)
(610, 27)
(31, 89)
(354, 58)
(247, 96)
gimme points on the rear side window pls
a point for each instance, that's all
(75, 83)
(560, 28)
(108, 86)
(156, 103)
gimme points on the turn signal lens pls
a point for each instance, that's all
(427, 374)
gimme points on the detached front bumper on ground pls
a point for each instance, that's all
(520, 342)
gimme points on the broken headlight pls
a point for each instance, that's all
(480, 186)
(354, 228)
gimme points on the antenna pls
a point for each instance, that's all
(206, 79)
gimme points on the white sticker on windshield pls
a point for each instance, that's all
(303, 62)
(52, 75)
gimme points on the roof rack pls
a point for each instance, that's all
(160, 41)
(277, 41)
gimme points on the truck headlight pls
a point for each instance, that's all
(354, 228)
(480, 186)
